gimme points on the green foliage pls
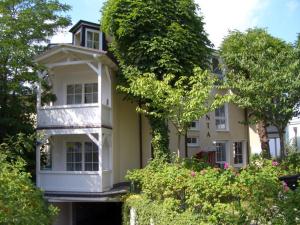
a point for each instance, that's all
(25, 27)
(20, 145)
(172, 193)
(157, 36)
(292, 160)
(180, 100)
(20, 201)
(264, 73)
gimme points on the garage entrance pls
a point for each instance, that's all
(97, 213)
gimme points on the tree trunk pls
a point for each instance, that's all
(263, 137)
(178, 144)
(160, 137)
(282, 143)
(185, 145)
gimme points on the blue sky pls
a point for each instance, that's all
(280, 17)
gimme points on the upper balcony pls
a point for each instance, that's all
(78, 77)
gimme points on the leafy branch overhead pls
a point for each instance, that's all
(181, 100)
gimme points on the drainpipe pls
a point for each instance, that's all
(248, 136)
(141, 138)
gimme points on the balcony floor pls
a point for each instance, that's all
(110, 195)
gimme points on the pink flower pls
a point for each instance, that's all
(285, 187)
(226, 165)
(193, 173)
(274, 163)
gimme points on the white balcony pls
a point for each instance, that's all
(74, 115)
(58, 156)
(71, 181)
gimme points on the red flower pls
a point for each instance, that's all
(193, 173)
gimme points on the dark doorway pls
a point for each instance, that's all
(97, 213)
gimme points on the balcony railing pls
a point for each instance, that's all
(70, 181)
(74, 115)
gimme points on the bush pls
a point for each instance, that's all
(20, 201)
(173, 193)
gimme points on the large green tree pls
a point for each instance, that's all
(159, 37)
(263, 72)
(25, 26)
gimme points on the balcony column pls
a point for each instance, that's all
(99, 75)
(39, 92)
(100, 156)
(38, 163)
(42, 139)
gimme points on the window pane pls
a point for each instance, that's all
(96, 45)
(88, 157)
(88, 88)
(91, 156)
(69, 167)
(88, 98)
(78, 99)
(89, 44)
(221, 152)
(220, 123)
(96, 37)
(95, 97)
(95, 87)
(78, 157)
(238, 152)
(74, 156)
(70, 99)
(95, 167)
(78, 89)
(95, 157)
(88, 146)
(78, 166)
(70, 89)
(220, 112)
(88, 166)
(89, 36)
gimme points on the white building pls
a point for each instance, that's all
(90, 136)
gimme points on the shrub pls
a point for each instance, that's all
(20, 201)
(173, 193)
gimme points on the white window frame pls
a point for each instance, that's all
(100, 37)
(47, 151)
(234, 153)
(224, 118)
(83, 161)
(193, 144)
(82, 94)
(226, 151)
(197, 127)
(75, 42)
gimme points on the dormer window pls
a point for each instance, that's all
(88, 35)
(93, 39)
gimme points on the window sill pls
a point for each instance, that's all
(193, 146)
(227, 130)
(70, 106)
(70, 172)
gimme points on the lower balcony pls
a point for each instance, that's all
(75, 163)
(70, 181)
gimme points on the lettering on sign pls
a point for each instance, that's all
(208, 134)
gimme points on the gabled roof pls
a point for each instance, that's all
(78, 51)
(86, 23)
